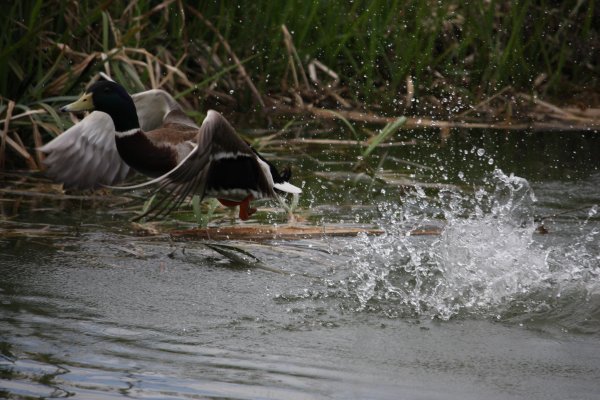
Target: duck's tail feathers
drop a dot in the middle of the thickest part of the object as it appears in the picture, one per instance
(287, 187)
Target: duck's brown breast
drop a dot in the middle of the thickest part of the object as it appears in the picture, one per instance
(145, 155)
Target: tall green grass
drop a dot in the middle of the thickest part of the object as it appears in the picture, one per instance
(455, 52)
(374, 45)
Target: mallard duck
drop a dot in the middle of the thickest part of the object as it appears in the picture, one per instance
(150, 134)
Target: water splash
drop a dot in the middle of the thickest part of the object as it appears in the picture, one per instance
(487, 261)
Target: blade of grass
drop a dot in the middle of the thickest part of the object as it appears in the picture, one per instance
(213, 78)
(347, 123)
(387, 131)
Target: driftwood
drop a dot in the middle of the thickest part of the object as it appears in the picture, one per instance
(288, 232)
(268, 232)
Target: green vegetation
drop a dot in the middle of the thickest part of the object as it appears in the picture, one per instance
(430, 58)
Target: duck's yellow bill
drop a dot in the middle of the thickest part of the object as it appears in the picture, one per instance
(85, 103)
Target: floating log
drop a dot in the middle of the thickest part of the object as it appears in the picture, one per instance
(269, 232)
(287, 232)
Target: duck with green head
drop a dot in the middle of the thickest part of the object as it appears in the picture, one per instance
(184, 158)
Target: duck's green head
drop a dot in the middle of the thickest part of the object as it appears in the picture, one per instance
(111, 98)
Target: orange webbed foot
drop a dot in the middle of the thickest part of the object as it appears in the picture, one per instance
(245, 210)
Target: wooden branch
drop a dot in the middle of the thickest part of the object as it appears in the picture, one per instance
(291, 232)
(268, 232)
(416, 122)
(336, 142)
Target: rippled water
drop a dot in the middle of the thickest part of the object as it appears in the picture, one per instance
(494, 306)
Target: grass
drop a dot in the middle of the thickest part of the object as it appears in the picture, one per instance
(429, 58)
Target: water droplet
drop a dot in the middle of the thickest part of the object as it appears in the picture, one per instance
(480, 152)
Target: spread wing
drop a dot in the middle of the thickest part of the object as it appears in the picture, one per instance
(216, 141)
(178, 118)
(189, 176)
(85, 156)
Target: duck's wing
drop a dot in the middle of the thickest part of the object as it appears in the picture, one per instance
(221, 161)
(220, 164)
(189, 176)
(155, 107)
(179, 119)
(85, 156)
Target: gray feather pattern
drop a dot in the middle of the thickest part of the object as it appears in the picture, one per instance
(85, 156)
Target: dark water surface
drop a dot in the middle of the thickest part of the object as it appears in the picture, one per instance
(490, 308)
